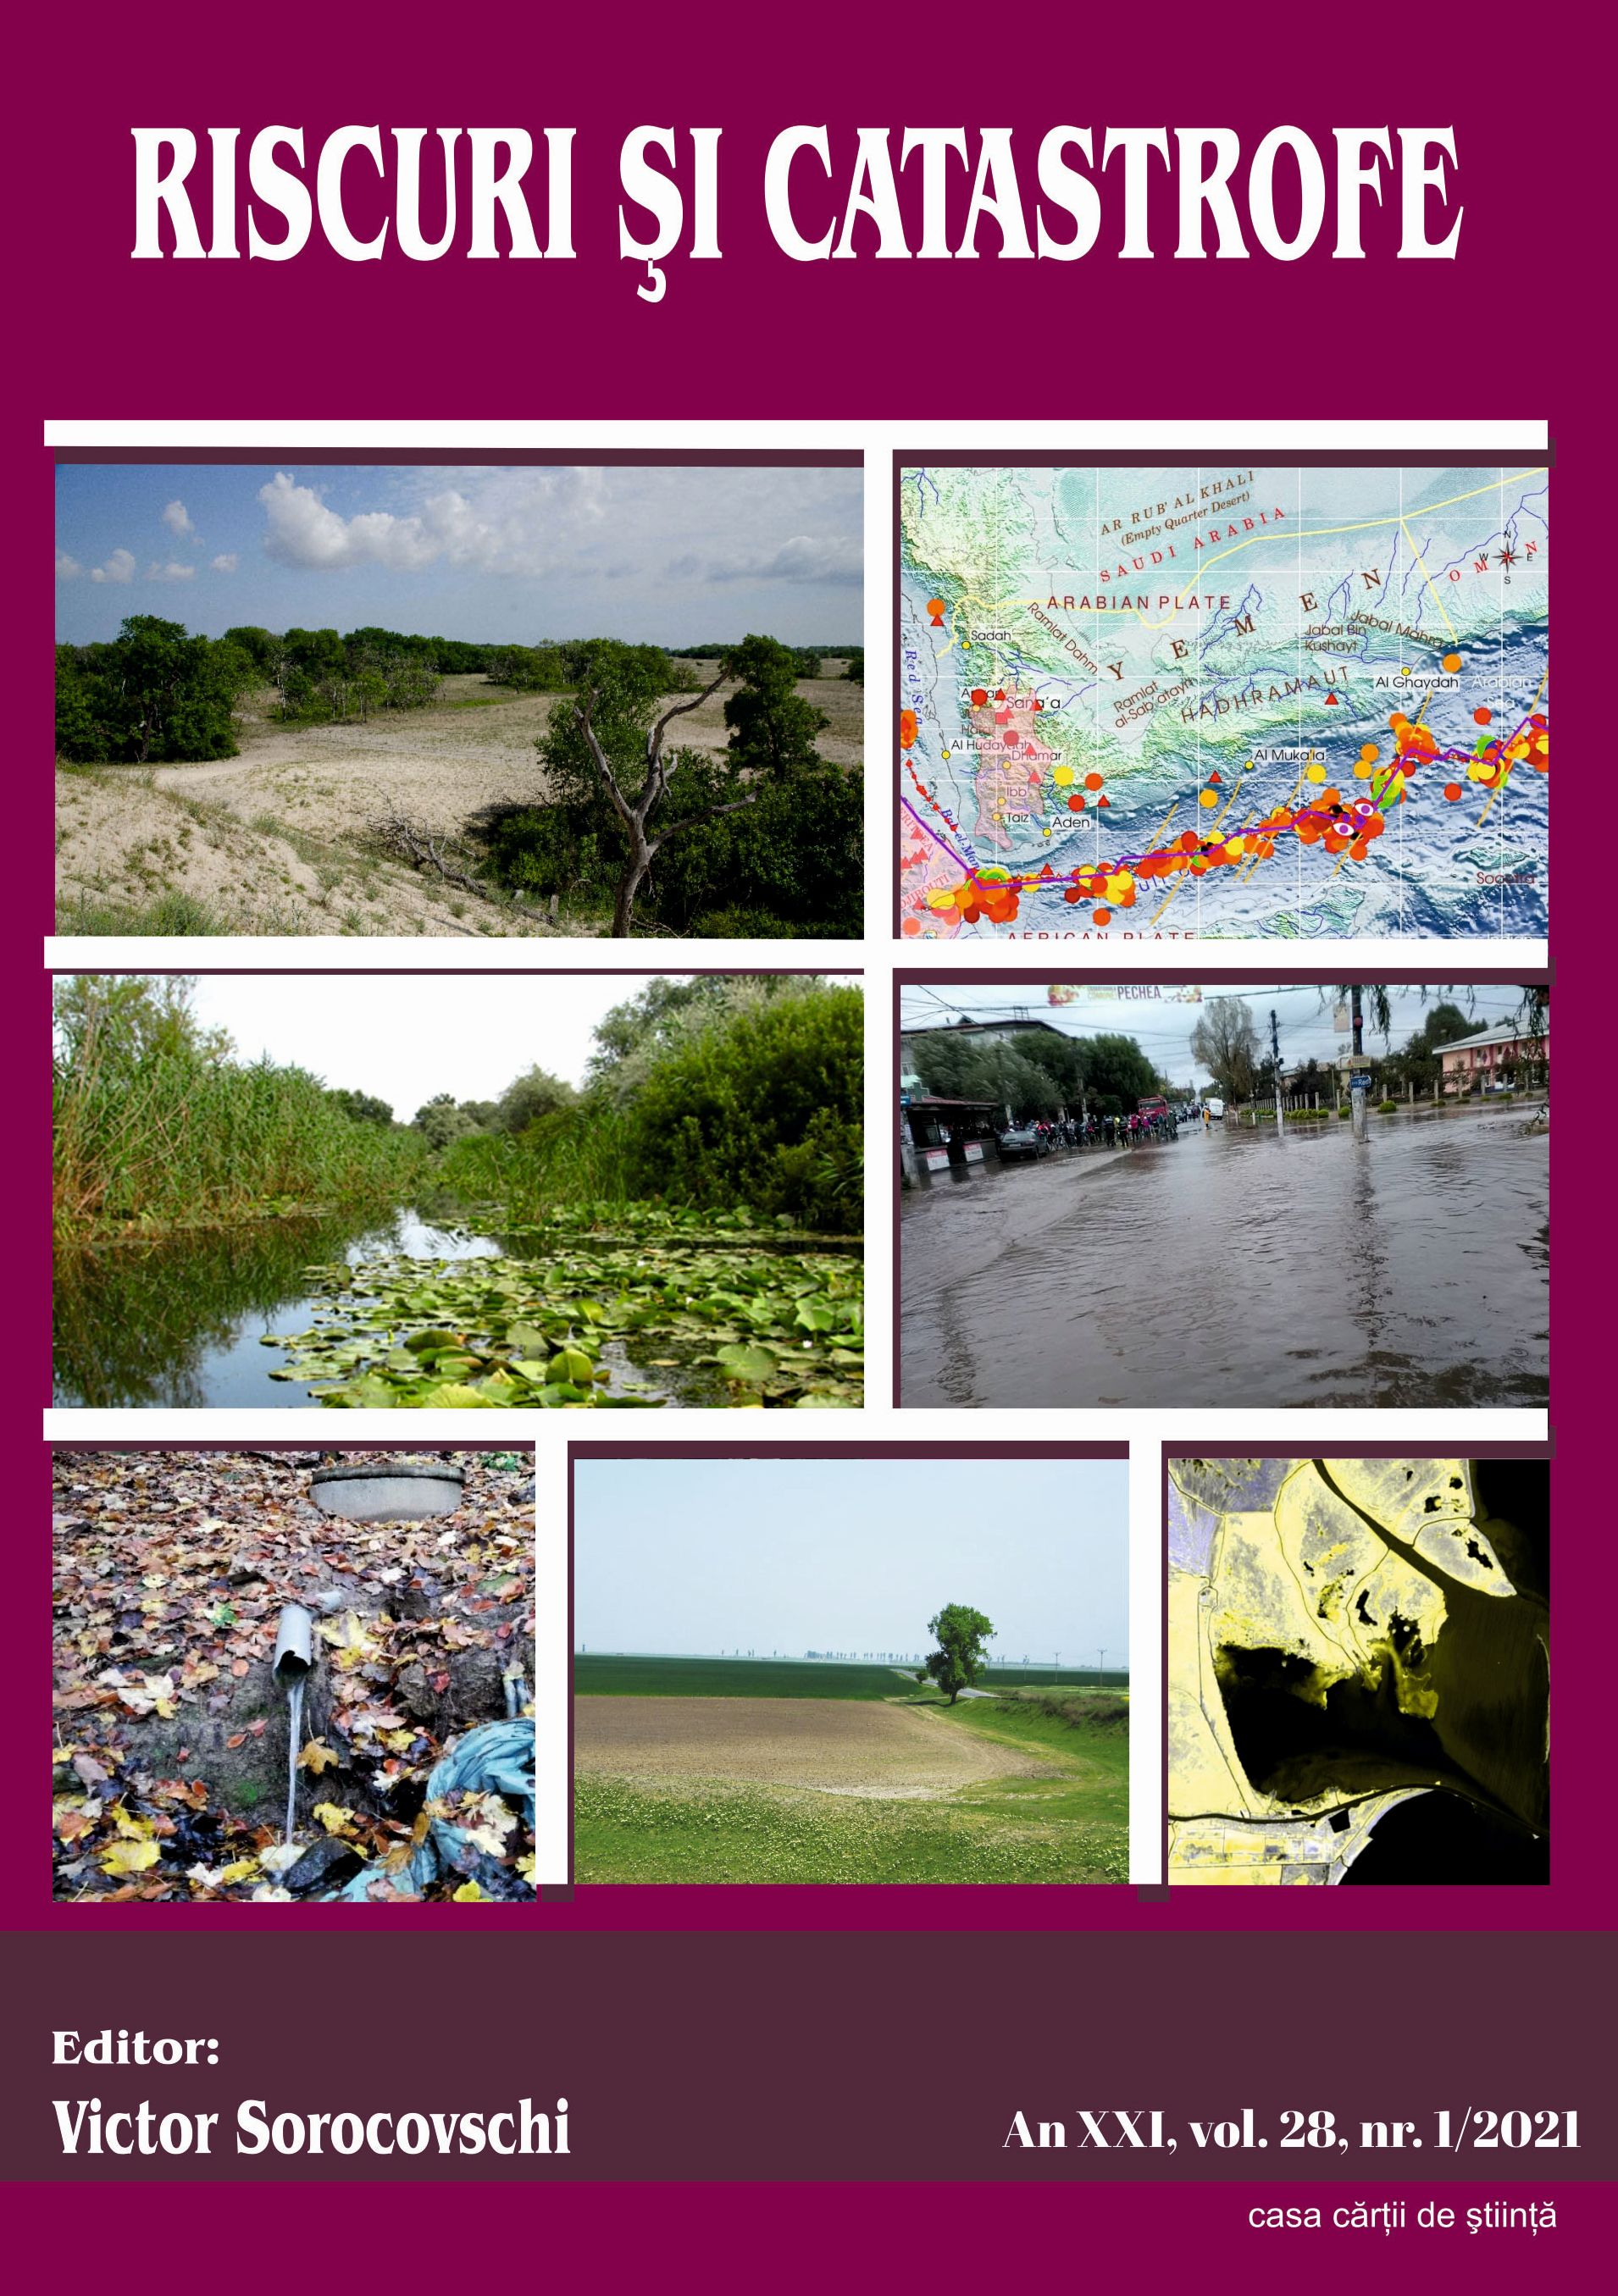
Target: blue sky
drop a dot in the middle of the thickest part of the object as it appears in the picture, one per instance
(675, 556)
(700, 1556)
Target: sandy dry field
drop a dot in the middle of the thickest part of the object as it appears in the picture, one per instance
(280, 830)
(840, 1745)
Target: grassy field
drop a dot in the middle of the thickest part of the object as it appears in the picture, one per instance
(1058, 1811)
(610, 1674)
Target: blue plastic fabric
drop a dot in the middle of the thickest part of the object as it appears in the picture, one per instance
(498, 1758)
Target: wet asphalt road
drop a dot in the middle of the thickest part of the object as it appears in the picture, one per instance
(1233, 1270)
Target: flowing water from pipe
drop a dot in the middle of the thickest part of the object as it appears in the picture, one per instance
(294, 1732)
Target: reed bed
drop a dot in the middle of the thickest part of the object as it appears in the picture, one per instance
(177, 1139)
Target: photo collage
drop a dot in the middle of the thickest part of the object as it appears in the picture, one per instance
(1038, 947)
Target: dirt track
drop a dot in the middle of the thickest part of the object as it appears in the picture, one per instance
(840, 1745)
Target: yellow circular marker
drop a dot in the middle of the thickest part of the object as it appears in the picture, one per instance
(1061, 776)
(1209, 798)
(936, 900)
(1451, 661)
(1315, 774)
(1118, 884)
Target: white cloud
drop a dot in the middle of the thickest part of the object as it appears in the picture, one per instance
(524, 523)
(68, 570)
(176, 518)
(801, 558)
(646, 528)
(226, 562)
(119, 567)
(170, 572)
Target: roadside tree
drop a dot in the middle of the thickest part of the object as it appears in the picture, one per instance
(961, 1634)
(1226, 1044)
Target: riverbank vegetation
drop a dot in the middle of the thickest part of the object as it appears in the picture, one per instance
(158, 1128)
(692, 1209)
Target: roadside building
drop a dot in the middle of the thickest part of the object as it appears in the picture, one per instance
(940, 1132)
(1496, 1059)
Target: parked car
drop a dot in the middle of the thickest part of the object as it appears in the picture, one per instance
(1026, 1140)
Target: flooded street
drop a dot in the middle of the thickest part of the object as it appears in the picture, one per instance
(1236, 1270)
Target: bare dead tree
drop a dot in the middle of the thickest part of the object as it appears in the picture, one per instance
(409, 842)
(636, 812)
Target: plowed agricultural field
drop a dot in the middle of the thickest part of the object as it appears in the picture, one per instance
(850, 1789)
(840, 1745)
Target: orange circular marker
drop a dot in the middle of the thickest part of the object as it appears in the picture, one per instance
(1482, 717)
(1093, 780)
(1102, 916)
(1452, 789)
(935, 607)
(1369, 753)
(911, 925)
(1451, 661)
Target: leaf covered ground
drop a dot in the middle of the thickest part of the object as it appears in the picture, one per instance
(171, 1735)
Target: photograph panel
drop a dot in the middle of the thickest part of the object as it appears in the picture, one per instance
(422, 1192)
(286, 1676)
(851, 1669)
(1249, 698)
(460, 699)
(1171, 1194)
(1359, 1670)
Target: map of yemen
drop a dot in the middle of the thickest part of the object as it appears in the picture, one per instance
(1226, 701)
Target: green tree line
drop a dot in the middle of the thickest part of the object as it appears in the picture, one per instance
(718, 1093)
(1036, 1075)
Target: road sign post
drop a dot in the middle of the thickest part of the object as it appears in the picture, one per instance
(1359, 1102)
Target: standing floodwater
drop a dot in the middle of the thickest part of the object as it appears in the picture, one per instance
(1236, 1270)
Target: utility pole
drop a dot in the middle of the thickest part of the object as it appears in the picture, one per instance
(1358, 1091)
(1058, 1668)
(1275, 1062)
(1101, 1669)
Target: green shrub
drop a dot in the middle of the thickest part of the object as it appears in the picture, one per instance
(763, 1107)
(152, 694)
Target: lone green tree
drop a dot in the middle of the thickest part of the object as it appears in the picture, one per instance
(961, 1633)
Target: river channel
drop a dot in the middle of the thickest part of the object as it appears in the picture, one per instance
(180, 1324)
(1230, 1268)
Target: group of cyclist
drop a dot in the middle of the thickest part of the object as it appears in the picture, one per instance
(1140, 1129)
